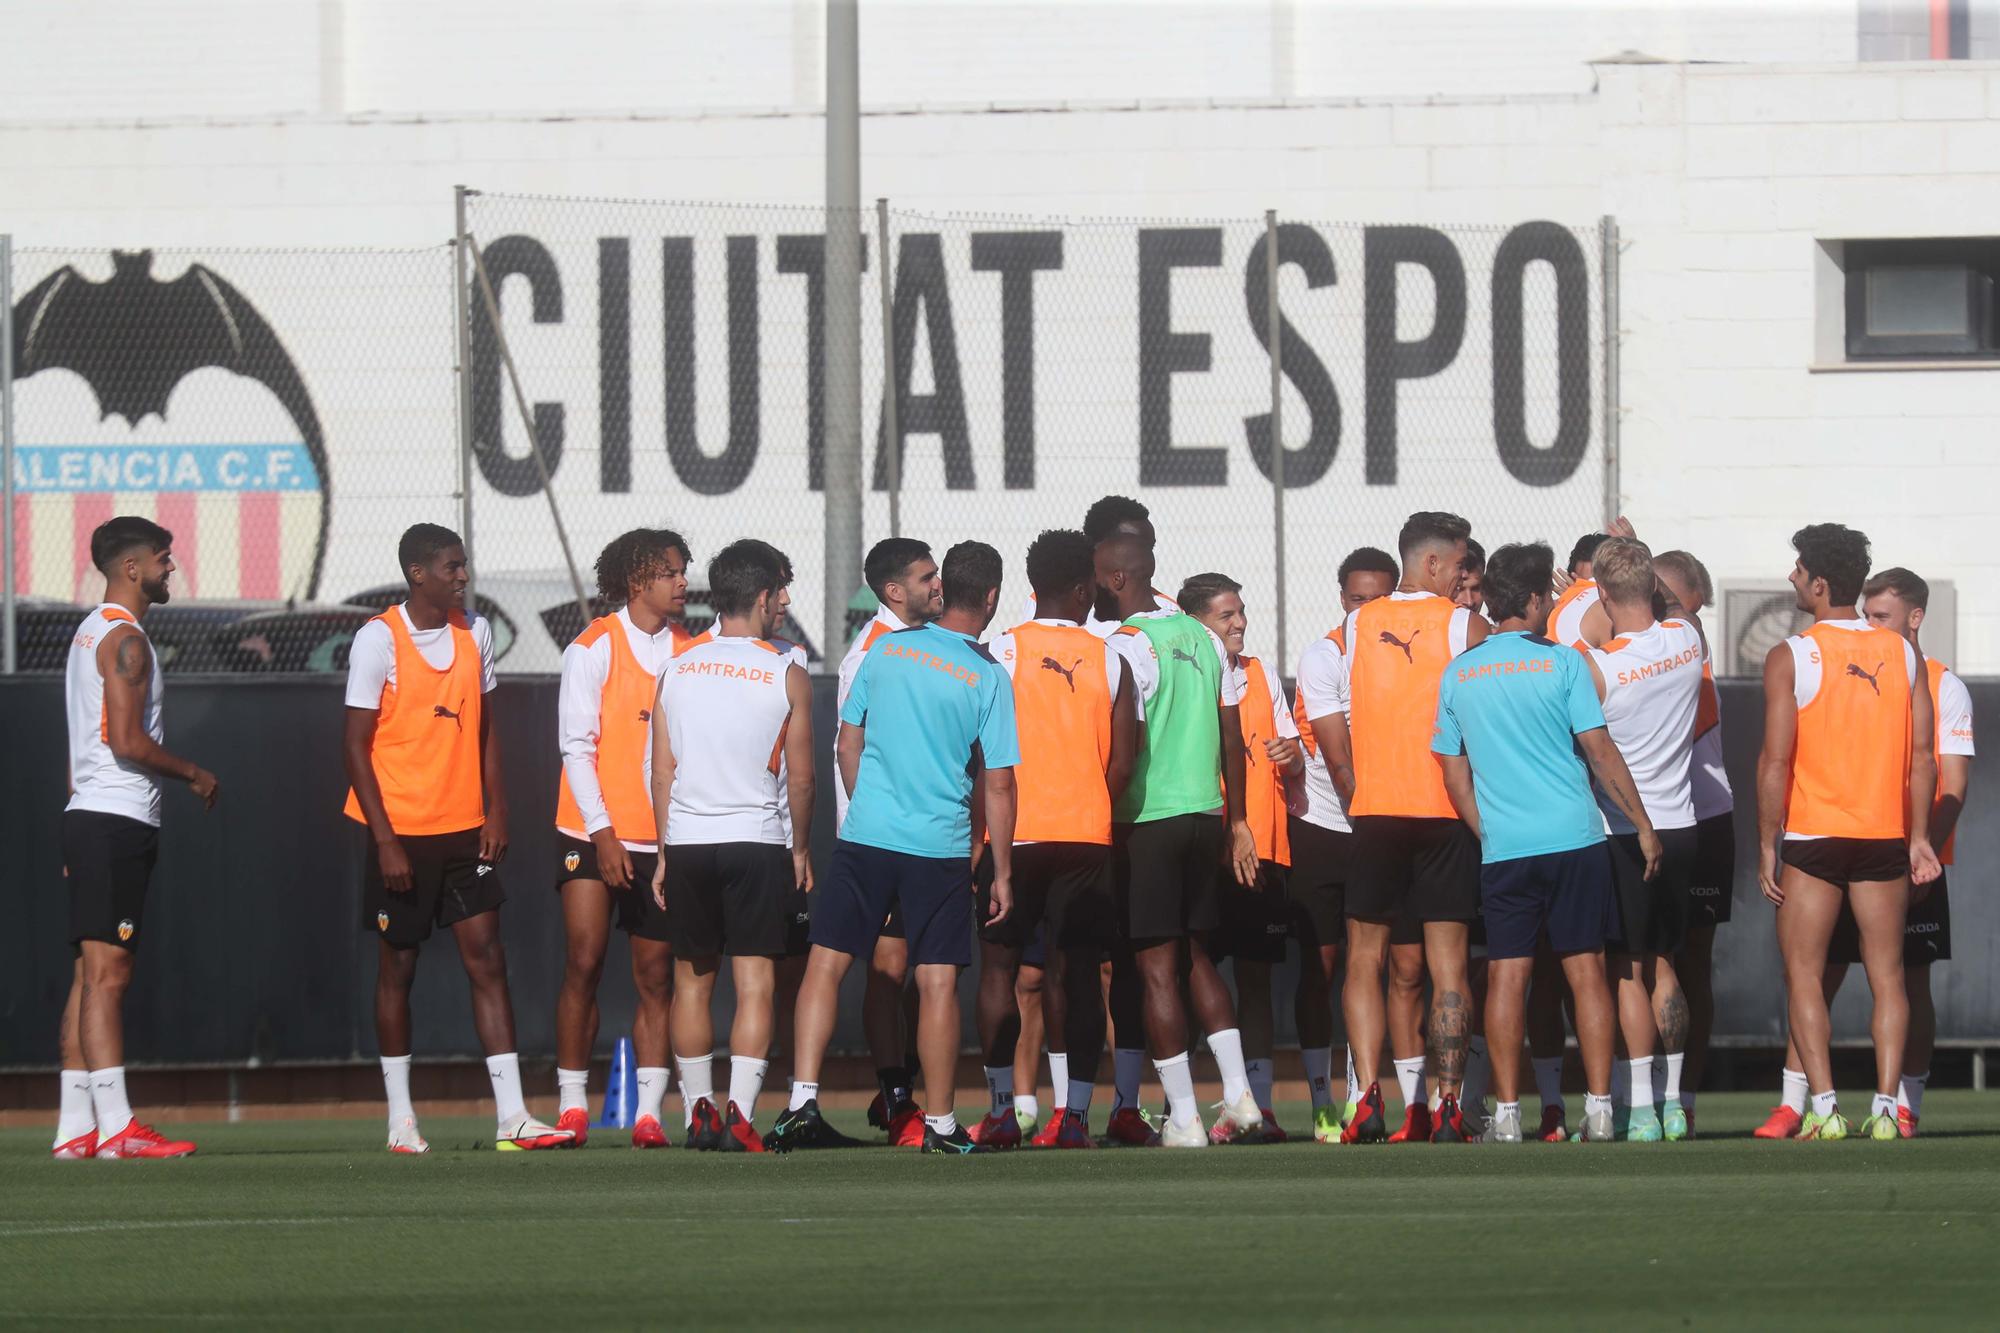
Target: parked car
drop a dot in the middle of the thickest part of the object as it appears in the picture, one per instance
(535, 616)
(215, 636)
(43, 629)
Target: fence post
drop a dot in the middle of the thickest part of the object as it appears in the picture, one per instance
(1608, 275)
(462, 339)
(1274, 337)
(892, 436)
(9, 645)
(842, 313)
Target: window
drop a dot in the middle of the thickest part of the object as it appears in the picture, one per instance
(1921, 300)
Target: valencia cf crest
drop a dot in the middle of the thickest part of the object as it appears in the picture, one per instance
(571, 862)
(382, 921)
(125, 930)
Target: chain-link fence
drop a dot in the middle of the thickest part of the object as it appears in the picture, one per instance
(287, 414)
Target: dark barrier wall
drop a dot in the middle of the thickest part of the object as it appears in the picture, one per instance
(253, 947)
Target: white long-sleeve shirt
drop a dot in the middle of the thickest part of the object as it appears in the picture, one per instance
(585, 668)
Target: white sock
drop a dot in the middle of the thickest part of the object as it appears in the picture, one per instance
(1884, 1104)
(1026, 1108)
(572, 1089)
(1670, 1082)
(1824, 1102)
(1909, 1096)
(1319, 1074)
(1127, 1068)
(1353, 1092)
(1078, 1097)
(78, 1117)
(1794, 1094)
(396, 1082)
(1227, 1048)
(697, 1082)
(1477, 1067)
(1410, 1078)
(1592, 1103)
(510, 1107)
(1000, 1087)
(1639, 1082)
(1501, 1109)
(107, 1097)
(1058, 1077)
(802, 1093)
(653, 1080)
(1177, 1077)
(1261, 1075)
(946, 1124)
(1549, 1081)
(746, 1080)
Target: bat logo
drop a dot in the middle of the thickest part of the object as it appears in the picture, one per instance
(133, 338)
(439, 710)
(571, 861)
(1389, 638)
(1068, 673)
(1180, 656)
(1854, 669)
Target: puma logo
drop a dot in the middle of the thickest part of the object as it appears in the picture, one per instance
(1068, 673)
(1854, 669)
(1180, 656)
(439, 710)
(645, 715)
(1387, 637)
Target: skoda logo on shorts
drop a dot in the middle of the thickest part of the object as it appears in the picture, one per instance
(572, 861)
(382, 921)
(125, 929)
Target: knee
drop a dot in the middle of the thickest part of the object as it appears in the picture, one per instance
(583, 966)
(937, 983)
(1028, 988)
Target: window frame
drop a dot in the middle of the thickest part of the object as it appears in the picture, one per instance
(1978, 255)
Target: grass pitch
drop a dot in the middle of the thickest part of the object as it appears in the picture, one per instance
(311, 1224)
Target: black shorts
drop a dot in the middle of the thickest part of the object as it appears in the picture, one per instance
(1317, 885)
(1652, 914)
(1428, 868)
(1256, 922)
(107, 863)
(1167, 873)
(798, 923)
(637, 913)
(1926, 931)
(1843, 861)
(1566, 897)
(448, 884)
(729, 898)
(1062, 896)
(862, 882)
(1712, 886)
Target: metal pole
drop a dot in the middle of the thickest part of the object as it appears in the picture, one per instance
(9, 647)
(891, 435)
(492, 305)
(462, 320)
(1274, 325)
(842, 332)
(1608, 275)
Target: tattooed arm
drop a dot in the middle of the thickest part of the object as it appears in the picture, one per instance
(125, 660)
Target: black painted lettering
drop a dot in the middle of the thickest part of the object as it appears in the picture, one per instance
(707, 474)
(1164, 353)
(614, 363)
(1017, 256)
(1301, 245)
(806, 256)
(921, 288)
(1388, 359)
(1556, 246)
(526, 258)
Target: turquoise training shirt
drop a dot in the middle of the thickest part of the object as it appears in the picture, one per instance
(1514, 705)
(925, 697)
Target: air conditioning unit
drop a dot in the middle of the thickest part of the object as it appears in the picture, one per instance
(1757, 616)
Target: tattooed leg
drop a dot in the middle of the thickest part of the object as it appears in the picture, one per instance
(1451, 1026)
(1670, 1007)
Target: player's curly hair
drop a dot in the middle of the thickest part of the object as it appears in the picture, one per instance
(633, 559)
(1836, 553)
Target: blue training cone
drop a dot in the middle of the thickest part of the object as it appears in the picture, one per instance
(621, 1094)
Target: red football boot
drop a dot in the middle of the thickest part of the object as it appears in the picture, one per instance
(1552, 1130)
(647, 1132)
(1128, 1129)
(1447, 1125)
(1074, 1131)
(704, 1127)
(1050, 1131)
(81, 1147)
(906, 1126)
(998, 1132)
(137, 1140)
(1906, 1124)
(738, 1134)
(1368, 1124)
(1416, 1126)
(1783, 1123)
(577, 1121)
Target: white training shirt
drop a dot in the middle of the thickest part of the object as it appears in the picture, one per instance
(1652, 687)
(371, 663)
(1322, 692)
(1003, 649)
(1144, 664)
(585, 668)
(1954, 715)
(850, 667)
(1708, 776)
(797, 657)
(727, 710)
(1096, 624)
(98, 779)
(1806, 677)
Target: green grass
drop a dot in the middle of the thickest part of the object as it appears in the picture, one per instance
(311, 1224)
